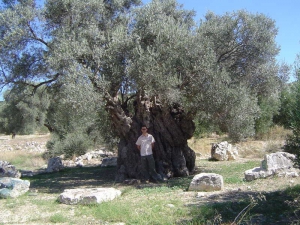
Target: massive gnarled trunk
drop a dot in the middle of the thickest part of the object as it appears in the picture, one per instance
(171, 128)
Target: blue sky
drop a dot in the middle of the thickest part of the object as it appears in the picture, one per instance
(285, 13)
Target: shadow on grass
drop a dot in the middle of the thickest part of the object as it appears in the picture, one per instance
(247, 207)
(84, 177)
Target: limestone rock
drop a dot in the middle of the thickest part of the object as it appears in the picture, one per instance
(279, 163)
(207, 182)
(13, 187)
(223, 151)
(8, 170)
(88, 196)
(54, 165)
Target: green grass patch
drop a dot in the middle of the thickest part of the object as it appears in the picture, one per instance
(232, 171)
(156, 205)
(58, 218)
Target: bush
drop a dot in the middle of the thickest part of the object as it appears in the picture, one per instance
(293, 146)
(74, 144)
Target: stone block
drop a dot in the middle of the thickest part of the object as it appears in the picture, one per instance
(207, 182)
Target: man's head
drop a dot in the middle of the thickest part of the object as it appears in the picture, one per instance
(144, 129)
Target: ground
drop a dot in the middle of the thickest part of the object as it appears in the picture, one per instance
(45, 188)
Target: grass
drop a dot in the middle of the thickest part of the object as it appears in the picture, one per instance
(58, 218)
(232, 171)
(158, 205)
(169, 203)
(267, 208)
(24, 160)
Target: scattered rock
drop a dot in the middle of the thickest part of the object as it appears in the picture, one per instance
(13, 187)
(92, 158)
(88, 196)
(279, 163)
(223, 151)
(8, 170)
(207, 182)
(54, 165)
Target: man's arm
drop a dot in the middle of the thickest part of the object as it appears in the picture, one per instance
(138, 147)
(152, 142)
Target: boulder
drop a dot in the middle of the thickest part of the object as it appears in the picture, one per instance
(207, 182)
(8, 170)
(109, 161)
(88, 196)
(54, 165)
(279, 163)
(223, 151)
(13, 187)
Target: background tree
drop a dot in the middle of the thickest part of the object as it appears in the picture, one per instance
(293, 141)
(145, 65)
(246, 85)
(24, 112)
(74, 117)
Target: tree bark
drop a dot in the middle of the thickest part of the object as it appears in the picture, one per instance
(171, 128)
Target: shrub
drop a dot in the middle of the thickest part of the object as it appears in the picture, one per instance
(73, 144)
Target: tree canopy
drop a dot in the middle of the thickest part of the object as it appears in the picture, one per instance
(150, 64)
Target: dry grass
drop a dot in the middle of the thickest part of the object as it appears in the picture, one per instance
(24, 151)
(202, 146)
(24, 160)
(271, 142)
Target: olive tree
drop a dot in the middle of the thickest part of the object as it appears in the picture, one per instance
(149, 65)
(293, 114)
(23, 112)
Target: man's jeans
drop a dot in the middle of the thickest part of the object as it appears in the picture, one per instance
(148, 168)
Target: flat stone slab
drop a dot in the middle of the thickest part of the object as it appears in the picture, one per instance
(279, 163)
(88, 196)
(259, 173)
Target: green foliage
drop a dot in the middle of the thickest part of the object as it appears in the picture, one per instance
(23, 112)
(231, 88)
(293, 141)
(269, 107)
(104, 127)
(287, 100)
(78, 120)
(205, 125)
(84, 51)
(73, 144)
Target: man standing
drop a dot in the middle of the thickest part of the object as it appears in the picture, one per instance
(145, 144)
